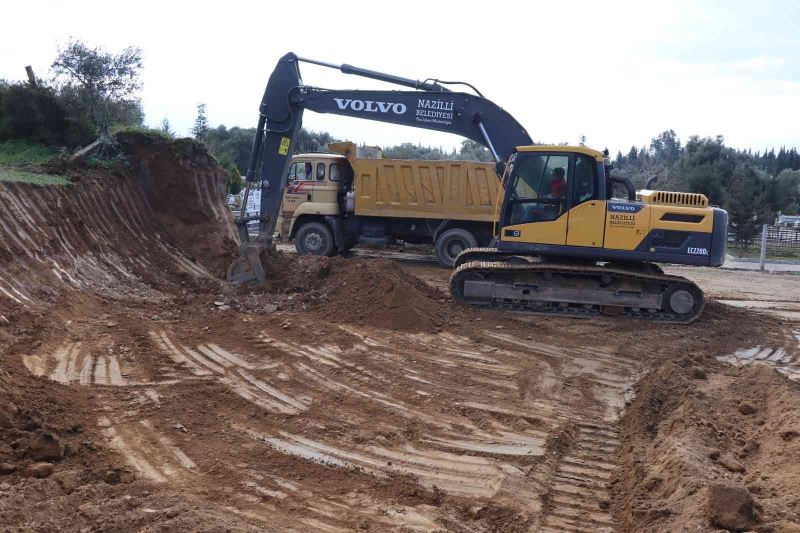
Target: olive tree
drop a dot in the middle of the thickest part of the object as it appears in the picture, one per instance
(105, 82)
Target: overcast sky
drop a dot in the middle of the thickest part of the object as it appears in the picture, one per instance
(616, 72)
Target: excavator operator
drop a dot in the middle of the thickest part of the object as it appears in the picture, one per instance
(558, 185)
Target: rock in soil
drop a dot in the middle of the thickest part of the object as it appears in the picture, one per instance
(46, 447)
(119, 476)
(39, 470)
(746, 408)
(731, 463)
(68, 480)
(730, 507)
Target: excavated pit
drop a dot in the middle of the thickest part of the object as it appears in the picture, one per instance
(139, 391)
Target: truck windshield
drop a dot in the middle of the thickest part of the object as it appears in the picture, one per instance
(300, 171)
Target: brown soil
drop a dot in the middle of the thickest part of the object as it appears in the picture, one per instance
(697, 423)
(140, 392)
(378, 293)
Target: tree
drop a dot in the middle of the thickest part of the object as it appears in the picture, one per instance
(200, 128)
(666, 147)
(473, 151)
(582, 140)
(235, 182)
(707, 167)
(165, 127)
(785, 192)
(312, 141)
(633, 156)
(748, 207)
(100, 79)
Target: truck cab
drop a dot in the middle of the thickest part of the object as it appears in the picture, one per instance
(313, 189)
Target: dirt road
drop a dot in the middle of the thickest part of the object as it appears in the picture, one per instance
(351, 394)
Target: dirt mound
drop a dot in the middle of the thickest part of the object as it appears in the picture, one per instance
(381, 294)
(186, 188)
(707, 447)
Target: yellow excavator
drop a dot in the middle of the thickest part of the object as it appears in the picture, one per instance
(564, 244)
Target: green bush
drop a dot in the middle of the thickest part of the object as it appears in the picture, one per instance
(38, 114)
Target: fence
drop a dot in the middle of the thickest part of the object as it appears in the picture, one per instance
(774, 242)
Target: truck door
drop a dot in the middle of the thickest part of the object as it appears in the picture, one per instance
(293, 196)
(536, 210)
(326, 186)
(299, 184)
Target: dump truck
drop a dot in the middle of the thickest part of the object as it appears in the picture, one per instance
(353, 196)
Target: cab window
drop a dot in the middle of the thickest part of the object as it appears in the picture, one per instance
(539, 188)
(333, 172)
(295, 169)
(583, 182)
(300, 171)
(320, 171)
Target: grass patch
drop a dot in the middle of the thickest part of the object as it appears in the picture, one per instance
(22, 152)
(23, 176)
(153, 132)
(774, 251)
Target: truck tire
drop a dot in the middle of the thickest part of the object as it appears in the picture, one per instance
(451, 243)
(314, 238)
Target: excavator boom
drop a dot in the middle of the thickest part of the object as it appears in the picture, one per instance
(430, 105)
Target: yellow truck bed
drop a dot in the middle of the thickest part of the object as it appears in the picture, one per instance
(462, 190)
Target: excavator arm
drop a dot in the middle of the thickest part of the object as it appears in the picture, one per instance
(430, 105)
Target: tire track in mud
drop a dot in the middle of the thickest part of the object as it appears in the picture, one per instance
(234, 371)
(483, 463)
(69, 364)
(147, 450)
(783, 354)
(577, 496)
(484, 431)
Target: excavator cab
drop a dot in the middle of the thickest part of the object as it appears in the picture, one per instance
(554, 197)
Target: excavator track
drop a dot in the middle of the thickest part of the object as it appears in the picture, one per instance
(574, 290)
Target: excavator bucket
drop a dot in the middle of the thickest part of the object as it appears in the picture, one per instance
(247, 267)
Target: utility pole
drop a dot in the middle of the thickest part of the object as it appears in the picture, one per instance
(31, 75)
(763, 246)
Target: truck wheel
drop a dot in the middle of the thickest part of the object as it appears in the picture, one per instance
(314, 238)
(451, 243)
